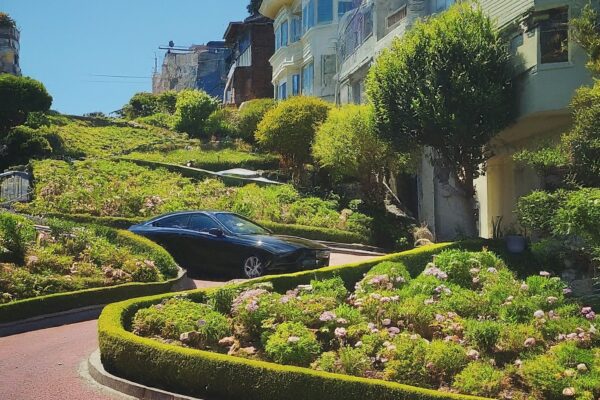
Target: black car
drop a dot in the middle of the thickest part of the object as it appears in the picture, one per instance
(227, 243)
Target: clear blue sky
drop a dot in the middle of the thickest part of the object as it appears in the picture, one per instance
(65, 42)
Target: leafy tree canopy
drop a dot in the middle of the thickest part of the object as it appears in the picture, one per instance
(253, 6)
(192, 109)
(289, 128)
(20, 96)
(446, 84)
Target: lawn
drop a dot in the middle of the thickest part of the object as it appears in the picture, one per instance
(88, 137)
(212, 160)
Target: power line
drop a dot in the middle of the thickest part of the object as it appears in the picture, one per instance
(122, 76)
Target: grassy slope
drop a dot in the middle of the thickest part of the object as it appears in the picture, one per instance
(89, 137)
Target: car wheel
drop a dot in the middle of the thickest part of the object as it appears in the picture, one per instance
(253, 267)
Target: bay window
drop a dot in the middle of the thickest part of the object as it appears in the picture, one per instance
(308, 76)
(554, 35)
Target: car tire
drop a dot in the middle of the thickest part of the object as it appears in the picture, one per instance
(253, 267)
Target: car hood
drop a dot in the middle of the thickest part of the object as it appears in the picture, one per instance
(282, 243)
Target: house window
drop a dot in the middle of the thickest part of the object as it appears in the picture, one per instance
(344, 6)
(308, 76)
(296, 29)
(308, 14)
(281, 35)
(324, 11)
(328, 68)
(295, 85)
(396, 16)
(245, 59)
(282, 91)
(441, 5)
(357, 93)
(554, 35)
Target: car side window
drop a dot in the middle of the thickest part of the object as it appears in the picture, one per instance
(202, 223)
(176, 221)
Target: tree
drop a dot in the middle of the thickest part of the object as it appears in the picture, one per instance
(20, 96)
(141, 104)
(253, 6)
(348, 146)
(289, 129)
(23, 144)
(223, 122)
(192, 110)
(446, 84)
(250, 115)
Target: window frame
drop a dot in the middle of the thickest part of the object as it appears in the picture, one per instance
(540, 32)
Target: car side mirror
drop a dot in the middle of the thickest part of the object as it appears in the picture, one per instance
(216, 232)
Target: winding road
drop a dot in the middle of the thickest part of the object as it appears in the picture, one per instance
(47, 363)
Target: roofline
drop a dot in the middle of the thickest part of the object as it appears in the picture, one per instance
(270, 8)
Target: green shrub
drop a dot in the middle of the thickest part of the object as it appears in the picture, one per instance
(192, 110)
(353, 361)
(407, 362)
(19, 96)
(384, 276)
(535, 211)
(221, 299)
(223, 123)
(348, 146)
(458, 265)
(292, 343)
(160, 120)
(446, 359)
(333, 287)
(16, 234)
(479, 379)
(483, 334)
(176, 316)
(289, 128)
(250, 114)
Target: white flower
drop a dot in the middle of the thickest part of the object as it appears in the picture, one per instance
(340, 332)
(545, 274)
(568, 392)
(293, 339)
(539, 314)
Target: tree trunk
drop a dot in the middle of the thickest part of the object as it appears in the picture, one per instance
(468, 199)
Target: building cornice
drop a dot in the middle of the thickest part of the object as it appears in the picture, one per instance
(270, 8)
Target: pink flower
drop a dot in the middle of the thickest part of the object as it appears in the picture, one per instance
(327, 316)
(529, 342)
(539, 314)
(386, 322)
(524, 286)
(567, 291)
(473, 354)
(340, 332)
(551, 299)
(545, 274)
(393, 330)
(591, 315)
(586, 310)
(492, 270)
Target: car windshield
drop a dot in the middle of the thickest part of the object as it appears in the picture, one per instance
(239, 225)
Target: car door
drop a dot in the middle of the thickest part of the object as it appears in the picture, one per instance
(169, 233)
(205, 250)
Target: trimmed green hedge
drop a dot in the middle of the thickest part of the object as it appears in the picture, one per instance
(58, 302)
(200, 373)
(308, 232)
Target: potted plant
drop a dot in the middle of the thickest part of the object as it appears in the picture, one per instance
(515, 240)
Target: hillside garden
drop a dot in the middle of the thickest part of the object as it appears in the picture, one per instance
(67, 257)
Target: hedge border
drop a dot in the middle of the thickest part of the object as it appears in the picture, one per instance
(58, 302)
(201, 373)
(308, 232)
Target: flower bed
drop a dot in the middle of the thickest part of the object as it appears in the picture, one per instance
(123, 189)
(71, 258)
(434, 336)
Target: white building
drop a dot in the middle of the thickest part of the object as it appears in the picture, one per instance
(306, 41)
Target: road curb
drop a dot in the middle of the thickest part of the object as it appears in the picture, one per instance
(103, 378)
(51, 320)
